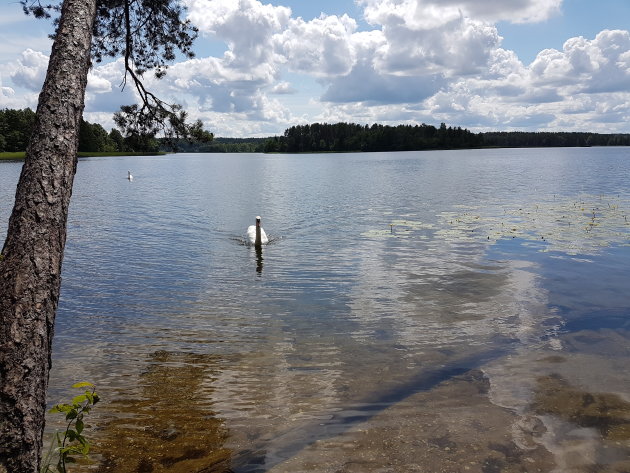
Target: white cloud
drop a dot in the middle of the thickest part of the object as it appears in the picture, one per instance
(428, 14)
(247, 26)
(583, 87)
(29, 71)
(598, 65)
(460, 46)
(7, 95)
(104, 92)
(97, 84)
(283, 88)
(424, 60)
(321, 47)
(419, 61)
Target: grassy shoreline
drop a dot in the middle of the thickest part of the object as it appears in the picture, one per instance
(19, 155)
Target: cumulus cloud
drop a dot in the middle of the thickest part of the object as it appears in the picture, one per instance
(593, 66)
(283, 88)
(582, 87)
(7, 94)
(247, 27)
(321, 47)
(428, 14)
(410, 61)
(460, 46)
(421, 60)
(104, 92)
(29, 71)
(97, 84)
(367, 86)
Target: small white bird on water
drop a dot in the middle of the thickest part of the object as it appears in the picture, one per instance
(256, 235)
(129, 176)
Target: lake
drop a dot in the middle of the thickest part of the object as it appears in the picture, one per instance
(416, 311)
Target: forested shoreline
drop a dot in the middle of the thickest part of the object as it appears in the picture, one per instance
(349, 137)
(16, 126)
(352, 137)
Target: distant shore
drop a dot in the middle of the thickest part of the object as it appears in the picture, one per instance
(19, 155)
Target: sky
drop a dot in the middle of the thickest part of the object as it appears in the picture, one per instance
(485, 65)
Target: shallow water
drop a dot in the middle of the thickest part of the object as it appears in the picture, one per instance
(388, 275)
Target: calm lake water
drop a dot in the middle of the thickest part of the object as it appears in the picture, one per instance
(417, 311)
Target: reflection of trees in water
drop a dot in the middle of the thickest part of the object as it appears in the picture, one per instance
(169, 426)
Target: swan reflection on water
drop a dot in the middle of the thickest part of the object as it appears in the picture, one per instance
(259, 259)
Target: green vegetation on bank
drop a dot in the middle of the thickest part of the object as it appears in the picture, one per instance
(349, 137)
(16, 127)
(94, 140)
(545, 139)
(12, 156)
(223, 145)
(345, 137)
(84, 154)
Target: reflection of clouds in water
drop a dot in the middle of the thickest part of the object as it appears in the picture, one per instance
(434, 295)
(441, 302)
(271, 390)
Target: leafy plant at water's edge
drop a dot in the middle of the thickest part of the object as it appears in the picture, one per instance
(65, 446)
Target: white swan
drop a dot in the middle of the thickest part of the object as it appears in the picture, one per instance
(256, 235)
(129, 176)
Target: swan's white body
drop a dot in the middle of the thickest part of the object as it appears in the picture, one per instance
(256, 235)
(129, 176)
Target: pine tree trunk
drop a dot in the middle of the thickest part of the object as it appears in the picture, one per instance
(30, 268)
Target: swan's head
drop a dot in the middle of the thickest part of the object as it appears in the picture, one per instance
(258, 220)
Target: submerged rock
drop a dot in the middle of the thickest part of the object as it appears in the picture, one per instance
(608, 413)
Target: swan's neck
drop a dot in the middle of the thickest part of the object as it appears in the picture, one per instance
(258, 241)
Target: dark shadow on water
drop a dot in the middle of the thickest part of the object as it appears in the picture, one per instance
(268, 453)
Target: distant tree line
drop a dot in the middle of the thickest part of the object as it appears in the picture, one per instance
(543, 139)
(16, 127)
(222, 145)
(338, 137)
(353, 137)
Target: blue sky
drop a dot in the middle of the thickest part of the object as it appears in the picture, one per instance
(261, 67)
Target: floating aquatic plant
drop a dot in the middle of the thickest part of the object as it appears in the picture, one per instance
(583, 225)
(399, 228)
(580, 226)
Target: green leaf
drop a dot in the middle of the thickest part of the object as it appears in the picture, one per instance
(83, 384)
(79, 426)
(77, 400)
(63, 408)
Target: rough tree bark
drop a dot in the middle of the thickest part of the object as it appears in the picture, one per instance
(30, 265)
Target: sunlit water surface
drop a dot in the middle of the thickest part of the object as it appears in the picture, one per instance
(386, 274)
